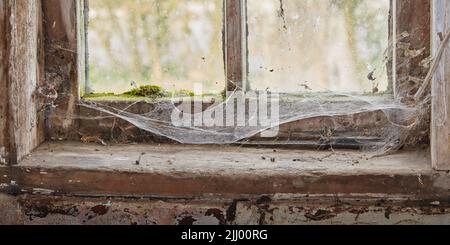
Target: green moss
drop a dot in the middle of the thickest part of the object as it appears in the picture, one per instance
(183, 93)
(224, 94)
(97, 95)
(111, 97)
(151, 92)
(148, 91)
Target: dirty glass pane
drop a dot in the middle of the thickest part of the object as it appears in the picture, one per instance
(169, 43)
(318, 45)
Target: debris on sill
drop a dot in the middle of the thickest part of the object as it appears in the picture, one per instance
(436, 203)
(12, 188)
(138, 162)
(93, 139)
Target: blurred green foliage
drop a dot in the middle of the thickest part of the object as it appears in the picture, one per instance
(155, 42)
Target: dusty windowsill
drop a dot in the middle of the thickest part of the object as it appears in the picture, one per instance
(72, 168)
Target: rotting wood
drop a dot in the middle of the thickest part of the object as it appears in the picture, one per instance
(434, 66)
(113, 171)
(268, 210)
(440, 125)
(41, 76)
(84, 182)
(413, 18)
(61, 66)
(23, 78)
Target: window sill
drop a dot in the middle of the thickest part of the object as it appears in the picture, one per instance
(70, 168)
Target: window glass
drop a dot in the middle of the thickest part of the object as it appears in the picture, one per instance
(318, 45)
(169, 43)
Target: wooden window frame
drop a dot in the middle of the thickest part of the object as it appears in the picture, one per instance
(440, 88)
(60, 40)
(63, 59)
(235, 45)
(235, 34)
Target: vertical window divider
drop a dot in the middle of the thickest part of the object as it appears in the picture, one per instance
(235, 32)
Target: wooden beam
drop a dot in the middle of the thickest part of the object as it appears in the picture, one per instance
(112, 171)
(85, 85)
(23, 78)
(440, 125)
(235, 44)
(4, 131)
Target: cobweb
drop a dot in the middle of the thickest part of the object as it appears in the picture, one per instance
(405, 122)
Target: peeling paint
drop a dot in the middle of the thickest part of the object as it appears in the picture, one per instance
(64, 210)
(218, 214)
(98, 210)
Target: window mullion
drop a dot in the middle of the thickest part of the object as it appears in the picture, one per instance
(235, 44)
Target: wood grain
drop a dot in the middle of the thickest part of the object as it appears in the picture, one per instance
(440, 125)
(61, 66)
(23, 78)
(4, 132)
(413, 17)
(223, 170)
(235, 47)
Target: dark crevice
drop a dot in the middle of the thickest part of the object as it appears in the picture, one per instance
(282, 14)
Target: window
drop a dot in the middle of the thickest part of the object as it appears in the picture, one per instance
(298, 46)
(333, 64)
(291, 46)
(169, 43)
